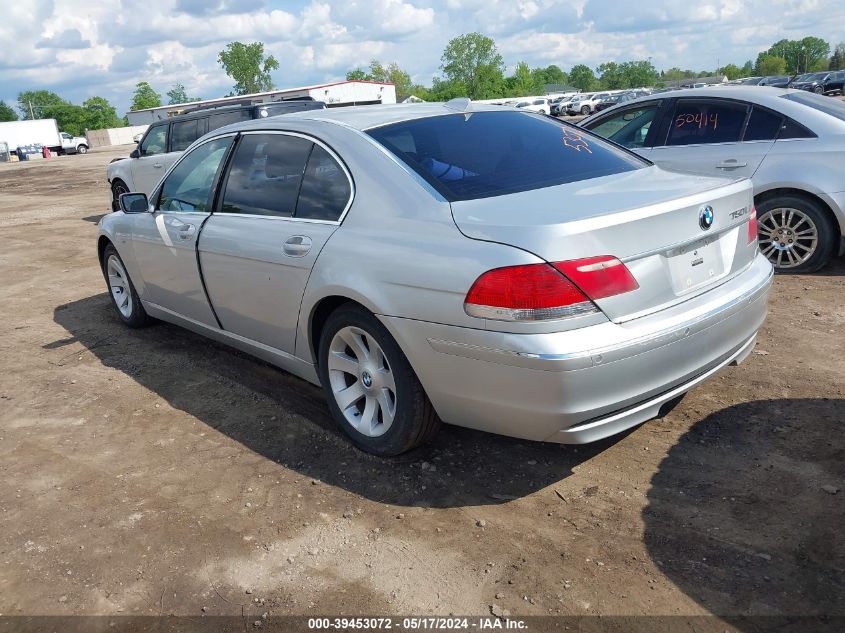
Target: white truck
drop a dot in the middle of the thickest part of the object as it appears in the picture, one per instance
(41, 132)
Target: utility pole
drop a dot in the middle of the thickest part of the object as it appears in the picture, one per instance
(31, 115)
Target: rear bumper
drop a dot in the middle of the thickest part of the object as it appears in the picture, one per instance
(583, 385)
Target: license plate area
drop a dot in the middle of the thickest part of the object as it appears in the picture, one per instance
(695, 264)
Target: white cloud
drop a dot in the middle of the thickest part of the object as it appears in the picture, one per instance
(81, 48)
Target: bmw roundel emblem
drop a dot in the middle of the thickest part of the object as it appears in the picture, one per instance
(706, 217)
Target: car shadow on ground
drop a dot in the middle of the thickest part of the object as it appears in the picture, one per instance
(739, 518)
(268, 411)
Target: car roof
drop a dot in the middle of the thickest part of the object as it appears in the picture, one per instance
(368, 116)
(767, 96)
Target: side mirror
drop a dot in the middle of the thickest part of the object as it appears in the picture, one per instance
(134, 203)
(135, 153)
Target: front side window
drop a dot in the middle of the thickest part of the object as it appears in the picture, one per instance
(265, 175)
(188, 186)
(628, 128)
(155, 142)
(325, 188)
(183, 134)
(483, 154)
(697, 122)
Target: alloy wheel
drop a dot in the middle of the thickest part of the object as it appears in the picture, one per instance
(362, 381)
(788, 236)
(119, 285)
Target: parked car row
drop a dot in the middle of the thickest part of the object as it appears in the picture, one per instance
(790, 143)
(481, 266)
(821, 83)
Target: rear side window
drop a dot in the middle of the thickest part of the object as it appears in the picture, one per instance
(482, 154)
(325, 188)
(762, 125)
(183, 134)
(265, 175)
(697, 122)
(225, 118)
(630, 127)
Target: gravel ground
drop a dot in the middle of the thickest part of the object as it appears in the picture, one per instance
(152, 472)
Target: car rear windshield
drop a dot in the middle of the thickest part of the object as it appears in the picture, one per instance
(482, 154)
(833, 107)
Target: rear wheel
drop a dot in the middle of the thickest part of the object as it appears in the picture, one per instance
(373, 393)
(796, 234)
(122, 291)
(118, 187)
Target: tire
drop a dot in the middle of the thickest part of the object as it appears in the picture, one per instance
(383, 379)
(773, 215)
(116, 277)
(117, 187)
(81, 149)
(585, 109)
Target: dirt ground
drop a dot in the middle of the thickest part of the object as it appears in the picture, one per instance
(153, 472)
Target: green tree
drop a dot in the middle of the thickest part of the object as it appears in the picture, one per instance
(177, 94)
(473, 61)
(356, 75)
(610, 75)
(800, 56)
(391, 73)
(100, 114)
(521, 83)
(731, 71)
(551, 74)
(637, 74)
(7, 113)
(247, 65)
(144, 97)
(747, 69)
(770, 65)
(837, 60)
(31, 103)
(582, 77)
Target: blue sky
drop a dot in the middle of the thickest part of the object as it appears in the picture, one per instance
(81, 48)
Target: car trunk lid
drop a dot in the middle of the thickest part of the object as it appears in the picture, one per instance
(651, 219)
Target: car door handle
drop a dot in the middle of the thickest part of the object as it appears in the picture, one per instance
(731, 163)
(297, 246)
(183, 229)
(157, 165)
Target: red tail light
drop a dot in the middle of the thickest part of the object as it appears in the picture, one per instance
(599, 277)
(752, 225)
(538, 292)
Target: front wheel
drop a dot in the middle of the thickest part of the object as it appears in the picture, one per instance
(585, 110)
(373, 393)
(795, 233)
(124, 298)
(81, 149)
(818, 90)
(118, 187)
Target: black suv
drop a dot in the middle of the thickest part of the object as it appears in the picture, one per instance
(820, 83)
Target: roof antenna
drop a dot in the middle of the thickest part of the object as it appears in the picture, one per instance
(458, 104)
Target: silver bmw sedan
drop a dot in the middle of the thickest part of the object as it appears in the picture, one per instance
(476, 265)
